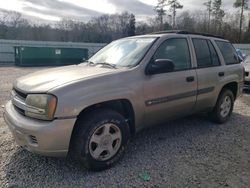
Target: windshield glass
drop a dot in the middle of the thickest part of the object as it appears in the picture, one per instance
(124, 52)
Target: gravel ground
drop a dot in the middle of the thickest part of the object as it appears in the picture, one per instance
(191, 152)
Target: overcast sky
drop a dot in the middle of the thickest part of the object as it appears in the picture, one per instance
(54, 10)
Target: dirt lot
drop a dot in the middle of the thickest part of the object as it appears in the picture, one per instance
(191, 152)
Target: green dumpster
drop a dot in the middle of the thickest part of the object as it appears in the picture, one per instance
(48, 56)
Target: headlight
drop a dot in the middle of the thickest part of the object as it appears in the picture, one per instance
(40, 106)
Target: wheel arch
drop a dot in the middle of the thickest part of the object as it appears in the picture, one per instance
(232, 86)
(122, 106)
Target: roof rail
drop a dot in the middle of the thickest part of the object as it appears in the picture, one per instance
(187, 33)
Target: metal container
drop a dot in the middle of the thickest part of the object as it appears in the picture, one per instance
(48, 56)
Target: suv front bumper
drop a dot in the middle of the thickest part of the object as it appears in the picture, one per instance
(49, 138)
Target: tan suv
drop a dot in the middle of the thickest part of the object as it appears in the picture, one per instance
(91, 110)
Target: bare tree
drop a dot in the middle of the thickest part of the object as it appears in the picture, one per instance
(3, 27)
(3, 16)
(186, 21)
(108, 27)
(13, 19)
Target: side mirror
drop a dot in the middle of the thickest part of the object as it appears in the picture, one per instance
(160, 66)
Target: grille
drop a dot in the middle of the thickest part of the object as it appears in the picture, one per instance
(21, 111)
(20, 94)
(33, 139)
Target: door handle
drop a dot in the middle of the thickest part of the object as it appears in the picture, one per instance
(190, 79)
(221, 74)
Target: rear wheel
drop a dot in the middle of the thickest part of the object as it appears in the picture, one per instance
(224, 106)
(100, 139)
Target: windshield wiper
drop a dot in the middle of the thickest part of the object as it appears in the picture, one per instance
(107, 64)
(89, 62)
(103, 63)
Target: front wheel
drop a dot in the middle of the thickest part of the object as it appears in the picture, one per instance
(100, 139)
(224, 107)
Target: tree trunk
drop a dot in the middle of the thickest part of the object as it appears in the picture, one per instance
(161, 22)
(248, 26)
(241, 19)
(174, 15)
(209, 20)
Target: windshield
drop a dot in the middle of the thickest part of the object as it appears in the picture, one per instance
(124, 52)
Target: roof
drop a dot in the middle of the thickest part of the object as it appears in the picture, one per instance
(185, 33)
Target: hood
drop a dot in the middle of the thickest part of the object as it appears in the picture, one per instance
(45, 80)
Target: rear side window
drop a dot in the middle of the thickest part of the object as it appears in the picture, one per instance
(205, 53)
(176, 50)
(228, 52)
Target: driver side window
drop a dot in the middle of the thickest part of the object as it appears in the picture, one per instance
(177, 51)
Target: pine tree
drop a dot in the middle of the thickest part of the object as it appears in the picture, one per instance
(218, 14)
(159, 9)
(243, 4)
(131, 25)
(208, 4)
(174, 5)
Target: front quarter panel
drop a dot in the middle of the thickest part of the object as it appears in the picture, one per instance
(74, 98)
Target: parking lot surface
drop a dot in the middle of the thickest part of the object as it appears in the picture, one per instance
(190, 152)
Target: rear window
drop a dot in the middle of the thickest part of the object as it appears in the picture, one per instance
(228, 52)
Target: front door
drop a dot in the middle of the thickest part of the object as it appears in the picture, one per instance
(173, 94)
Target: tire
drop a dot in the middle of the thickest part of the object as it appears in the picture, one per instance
(102, 129)
(220, 113)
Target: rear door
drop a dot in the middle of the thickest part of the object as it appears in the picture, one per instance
(209, 73)
(172, 94)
